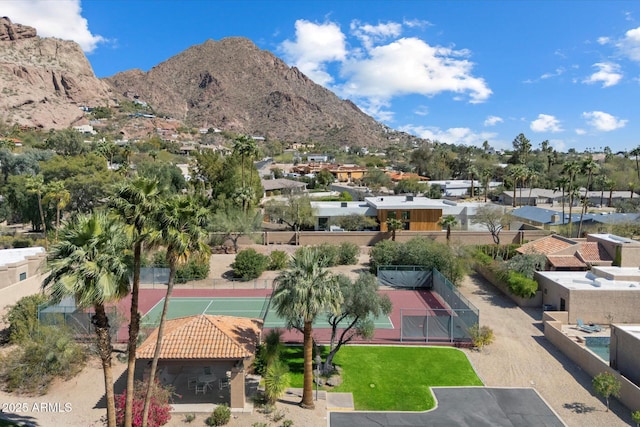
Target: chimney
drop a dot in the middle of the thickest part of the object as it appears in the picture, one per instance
(343, 204)
(555, 218)
(409, 198)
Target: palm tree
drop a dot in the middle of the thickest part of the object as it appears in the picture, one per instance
(135, 202)
(182, 231)
(516, 173)
(303, 291)
(448, 222)
(88, 265)
(636, 152)
(61, 196)
(35, 185)
(571, 168)
(485, 177)
(472, 172)
(532, 176)
(562, 184)
(393, 225)
(588, 166)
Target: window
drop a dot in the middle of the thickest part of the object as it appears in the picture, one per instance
(23, 276)
(406, 215)
(391, 214)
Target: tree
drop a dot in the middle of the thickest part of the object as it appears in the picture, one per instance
(571, 168)
(303, 291)
(411, 186)
(296, 212)
(635, 416)
(636, 153)
(235, 223)
(561, 185)
(606, 385)
(472, 172)
(66, 142)
(393, 225)
(181, 223)
(485, 178)
(521, 148)
(353, 222)
(494, 219)
(58, 194)
(324, 178)
(245, 147)
(361, 304)
(588, 166)
(516, 173)
(375, 179)
(448, 222)
(88, 265)
(136, 203)
(35, 185)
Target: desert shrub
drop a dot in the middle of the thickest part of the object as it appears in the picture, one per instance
(481, 336)
(518, 284)
(23, 317)
(500, 252)
(220, 416)
(329, 254)
(189, 418)
(159, 409)
(348, 253)
(259, 424)
(269, 351)
(195, 269)
(276, 381)
(49, 352)
(19, 242)
(249, 264)
(278, 260)
(383, 253)
(287, 423)
(481, 258)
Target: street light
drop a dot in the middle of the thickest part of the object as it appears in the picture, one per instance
(318, 362)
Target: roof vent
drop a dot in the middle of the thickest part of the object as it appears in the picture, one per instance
(409, 198)
(343, 204)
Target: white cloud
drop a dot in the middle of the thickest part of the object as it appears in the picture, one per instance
(608, 73)
(463, 136)
(417, 23)
(604, 122)
(603, 40)
(556, 73)
(411, 66)
(422, 110)
(314, 45)
(545, 123)
(62, 19)
(629, 45)
(580, 131)
(493, 120)
(370, 34)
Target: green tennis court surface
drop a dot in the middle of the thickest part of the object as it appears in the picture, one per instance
(254, 307)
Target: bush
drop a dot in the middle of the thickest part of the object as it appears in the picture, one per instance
(249, 264)
(481, 336)
(49, 352)
(329, 254)
(159, 409)
(348, 253)
(23, 317)
(482, 258)
(383, 253)
(519, 285)
(276, 381)
(278, 260)
(527, 264)
(195, 269)
(22, 243)
(220, 416)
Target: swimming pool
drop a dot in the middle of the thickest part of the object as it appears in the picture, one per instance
(599, 345)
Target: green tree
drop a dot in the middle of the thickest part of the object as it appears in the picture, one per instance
(393, 225)
(606, 385)
(635, 416)
(324, 178)
(636, 153)
(182, 231)
(87, 264)
(296, 212)
(276, 380)
(376, 178)
(353, 222)
(521, 149)
(588, 167)
(60, 196)
(136, 202)
(304, 291)
(235, 223)
(448, 222)
(361, 305)
(66, 142)
(35, 185)
(571, 169)
(494, 219)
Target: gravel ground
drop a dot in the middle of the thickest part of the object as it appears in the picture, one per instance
(522, 357)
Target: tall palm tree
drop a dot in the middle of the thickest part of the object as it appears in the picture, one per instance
(571, 168)
(516, 173)
(88, 265)
(60, 196)
(135, 202)
(303, 291)
(472, 172)
(636, 152)
(393, 225)
(448, 222)
(182, 231)
(588, 166)
(562, 184)
(485, 177)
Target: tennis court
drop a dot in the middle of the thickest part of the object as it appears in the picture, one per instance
(253, 307)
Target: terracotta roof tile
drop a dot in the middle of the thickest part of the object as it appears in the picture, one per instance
(565, 261)
(594, 252)
(547, 245)
(204, 337)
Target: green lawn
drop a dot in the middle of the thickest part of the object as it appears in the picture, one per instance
(393, 378)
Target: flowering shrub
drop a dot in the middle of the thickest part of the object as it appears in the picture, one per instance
(159, 406)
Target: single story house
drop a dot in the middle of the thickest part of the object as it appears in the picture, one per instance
(462, 187)
(282, 186)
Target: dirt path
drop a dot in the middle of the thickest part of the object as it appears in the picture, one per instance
(522, 357)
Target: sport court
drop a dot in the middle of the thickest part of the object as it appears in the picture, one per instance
(259, 307)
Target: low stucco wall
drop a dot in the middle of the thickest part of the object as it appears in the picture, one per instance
(9, 295)
(585, 359)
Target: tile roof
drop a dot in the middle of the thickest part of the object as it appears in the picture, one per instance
(204, 337)
(593, 252)
(546, 245)
(565, 261)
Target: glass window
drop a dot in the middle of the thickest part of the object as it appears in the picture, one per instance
(23, 276)
(391, 214)
(406, 215)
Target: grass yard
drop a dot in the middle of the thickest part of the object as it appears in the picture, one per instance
(393, 378)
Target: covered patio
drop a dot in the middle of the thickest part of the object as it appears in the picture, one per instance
(206, 359)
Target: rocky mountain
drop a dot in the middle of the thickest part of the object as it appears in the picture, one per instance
(229, 84)
(233, 85)
(44, 81)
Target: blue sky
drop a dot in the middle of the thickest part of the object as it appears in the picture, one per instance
(455, 71)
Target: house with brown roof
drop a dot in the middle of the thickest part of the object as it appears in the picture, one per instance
(206, 358)
(564, 254)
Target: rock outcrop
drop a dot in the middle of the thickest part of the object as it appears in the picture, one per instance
(11, 31)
